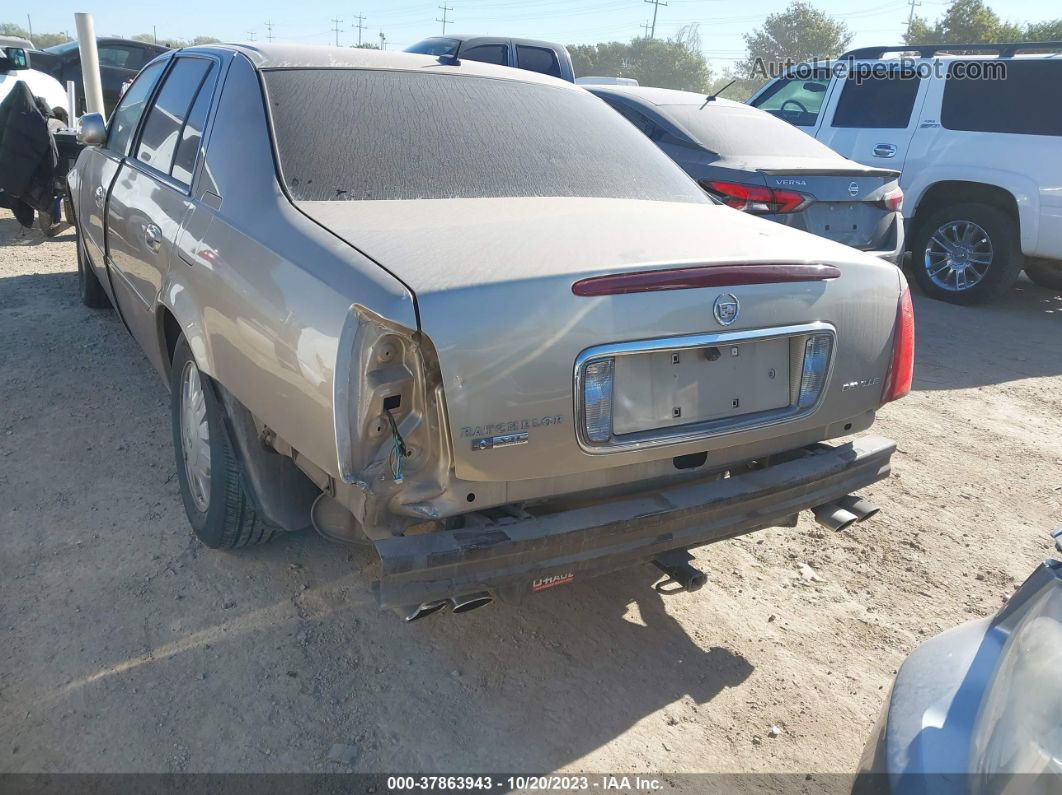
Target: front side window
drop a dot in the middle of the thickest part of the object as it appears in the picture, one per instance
(487, 53)
(797, 101)
(537, 59)
(128, 112)
(416, 135)
(1025, 98)
(877, 101)
(123, 57)
(165, 120)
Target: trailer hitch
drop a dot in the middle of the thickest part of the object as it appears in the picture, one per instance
(676, 565)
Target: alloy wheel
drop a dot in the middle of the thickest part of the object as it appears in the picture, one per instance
(958, 255)
(195, 436)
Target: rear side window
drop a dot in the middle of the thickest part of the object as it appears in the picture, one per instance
(876, 101)
(797, 101)
(127, 114)
(123, 57)
(537, 59)
(165, 120)
(487, 53)
(416, 135)
(192, 134)
(1027, 101)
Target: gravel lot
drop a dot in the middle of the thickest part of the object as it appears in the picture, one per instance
(127, 646)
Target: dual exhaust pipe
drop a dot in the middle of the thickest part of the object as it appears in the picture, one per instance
(845, 512)
(458, 604)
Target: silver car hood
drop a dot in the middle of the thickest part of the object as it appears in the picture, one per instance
(493, 284)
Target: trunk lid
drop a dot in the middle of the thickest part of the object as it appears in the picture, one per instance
(493, 284)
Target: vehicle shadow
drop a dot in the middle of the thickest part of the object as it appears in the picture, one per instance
(960, 347)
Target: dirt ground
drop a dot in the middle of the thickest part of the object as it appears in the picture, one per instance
(127, 646)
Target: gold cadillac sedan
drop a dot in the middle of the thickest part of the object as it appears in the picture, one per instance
(471, 316)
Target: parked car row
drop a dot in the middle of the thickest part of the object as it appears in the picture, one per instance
(979, 147)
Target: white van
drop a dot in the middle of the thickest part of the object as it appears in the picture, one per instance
(978, 137)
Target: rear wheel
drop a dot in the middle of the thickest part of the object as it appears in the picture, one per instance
(89, 287)
(966, 253)
(1045, 272)
(210, 475)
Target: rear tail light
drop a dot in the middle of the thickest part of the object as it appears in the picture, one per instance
(755, 199)
(893, 200)
(901, 369)
(597, 400)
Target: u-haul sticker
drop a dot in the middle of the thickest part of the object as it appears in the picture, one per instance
(553, 581)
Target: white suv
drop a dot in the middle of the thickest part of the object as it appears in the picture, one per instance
(978, 138)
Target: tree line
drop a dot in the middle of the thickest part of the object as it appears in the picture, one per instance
(800, 33)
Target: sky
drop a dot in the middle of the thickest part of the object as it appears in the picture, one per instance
(403, 22)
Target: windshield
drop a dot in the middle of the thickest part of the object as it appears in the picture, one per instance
(358, 134)
(738, 130)
(435, 46)
(59, 49)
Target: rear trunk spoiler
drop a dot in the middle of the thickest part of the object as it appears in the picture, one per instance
(829, 172)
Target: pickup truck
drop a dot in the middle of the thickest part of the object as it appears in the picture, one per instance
(498, 335)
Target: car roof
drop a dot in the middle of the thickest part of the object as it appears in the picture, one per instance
(309, 56)
(660, 96)
(463, 37)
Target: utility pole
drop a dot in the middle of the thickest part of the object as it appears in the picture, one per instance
(154, 34)
(269, 30)
(359, 27)
(910, 18)
(444, 8)
(645, 27)
(656, 5)
(29, 22)
(250, 35)
(383, 41)
(335, 28)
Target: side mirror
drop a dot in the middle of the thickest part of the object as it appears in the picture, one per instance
(92, 129)
(14, 58)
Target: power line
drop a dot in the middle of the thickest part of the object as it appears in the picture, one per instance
(269, 30)
(335, 28)
(656, 5)
(359, 27)
(444, 8)
(910, 18)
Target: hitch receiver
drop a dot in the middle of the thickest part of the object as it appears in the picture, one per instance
(676, 565)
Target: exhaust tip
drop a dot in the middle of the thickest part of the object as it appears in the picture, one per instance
(857, 505)
(834, 516)
(423, 609)
(462, 604)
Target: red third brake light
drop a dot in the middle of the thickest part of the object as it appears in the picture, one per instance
(756, 199)
(901, 369)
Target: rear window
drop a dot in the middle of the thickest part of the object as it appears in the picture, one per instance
(354, 134)
(881, 101)
(731, 131)
(1027, 101)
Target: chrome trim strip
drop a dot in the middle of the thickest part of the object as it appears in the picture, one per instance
(681, 434)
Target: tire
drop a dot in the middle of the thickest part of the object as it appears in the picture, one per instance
(48, 226)
(1045, 272)
(92, 294)
(986, 241)
(220, 510)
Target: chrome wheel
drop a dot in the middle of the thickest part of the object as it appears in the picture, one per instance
(958, 255)
(195, 436)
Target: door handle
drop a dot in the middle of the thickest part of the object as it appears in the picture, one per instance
(153, 237)
(100, 195)
(885, 150)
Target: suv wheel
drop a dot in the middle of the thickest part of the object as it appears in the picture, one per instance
(1045, 272)
(210, 475)
(89, 287)
(966, 253)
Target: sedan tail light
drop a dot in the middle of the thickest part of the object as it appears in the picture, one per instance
(893, 200)
(756, 199)
(901, 369)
